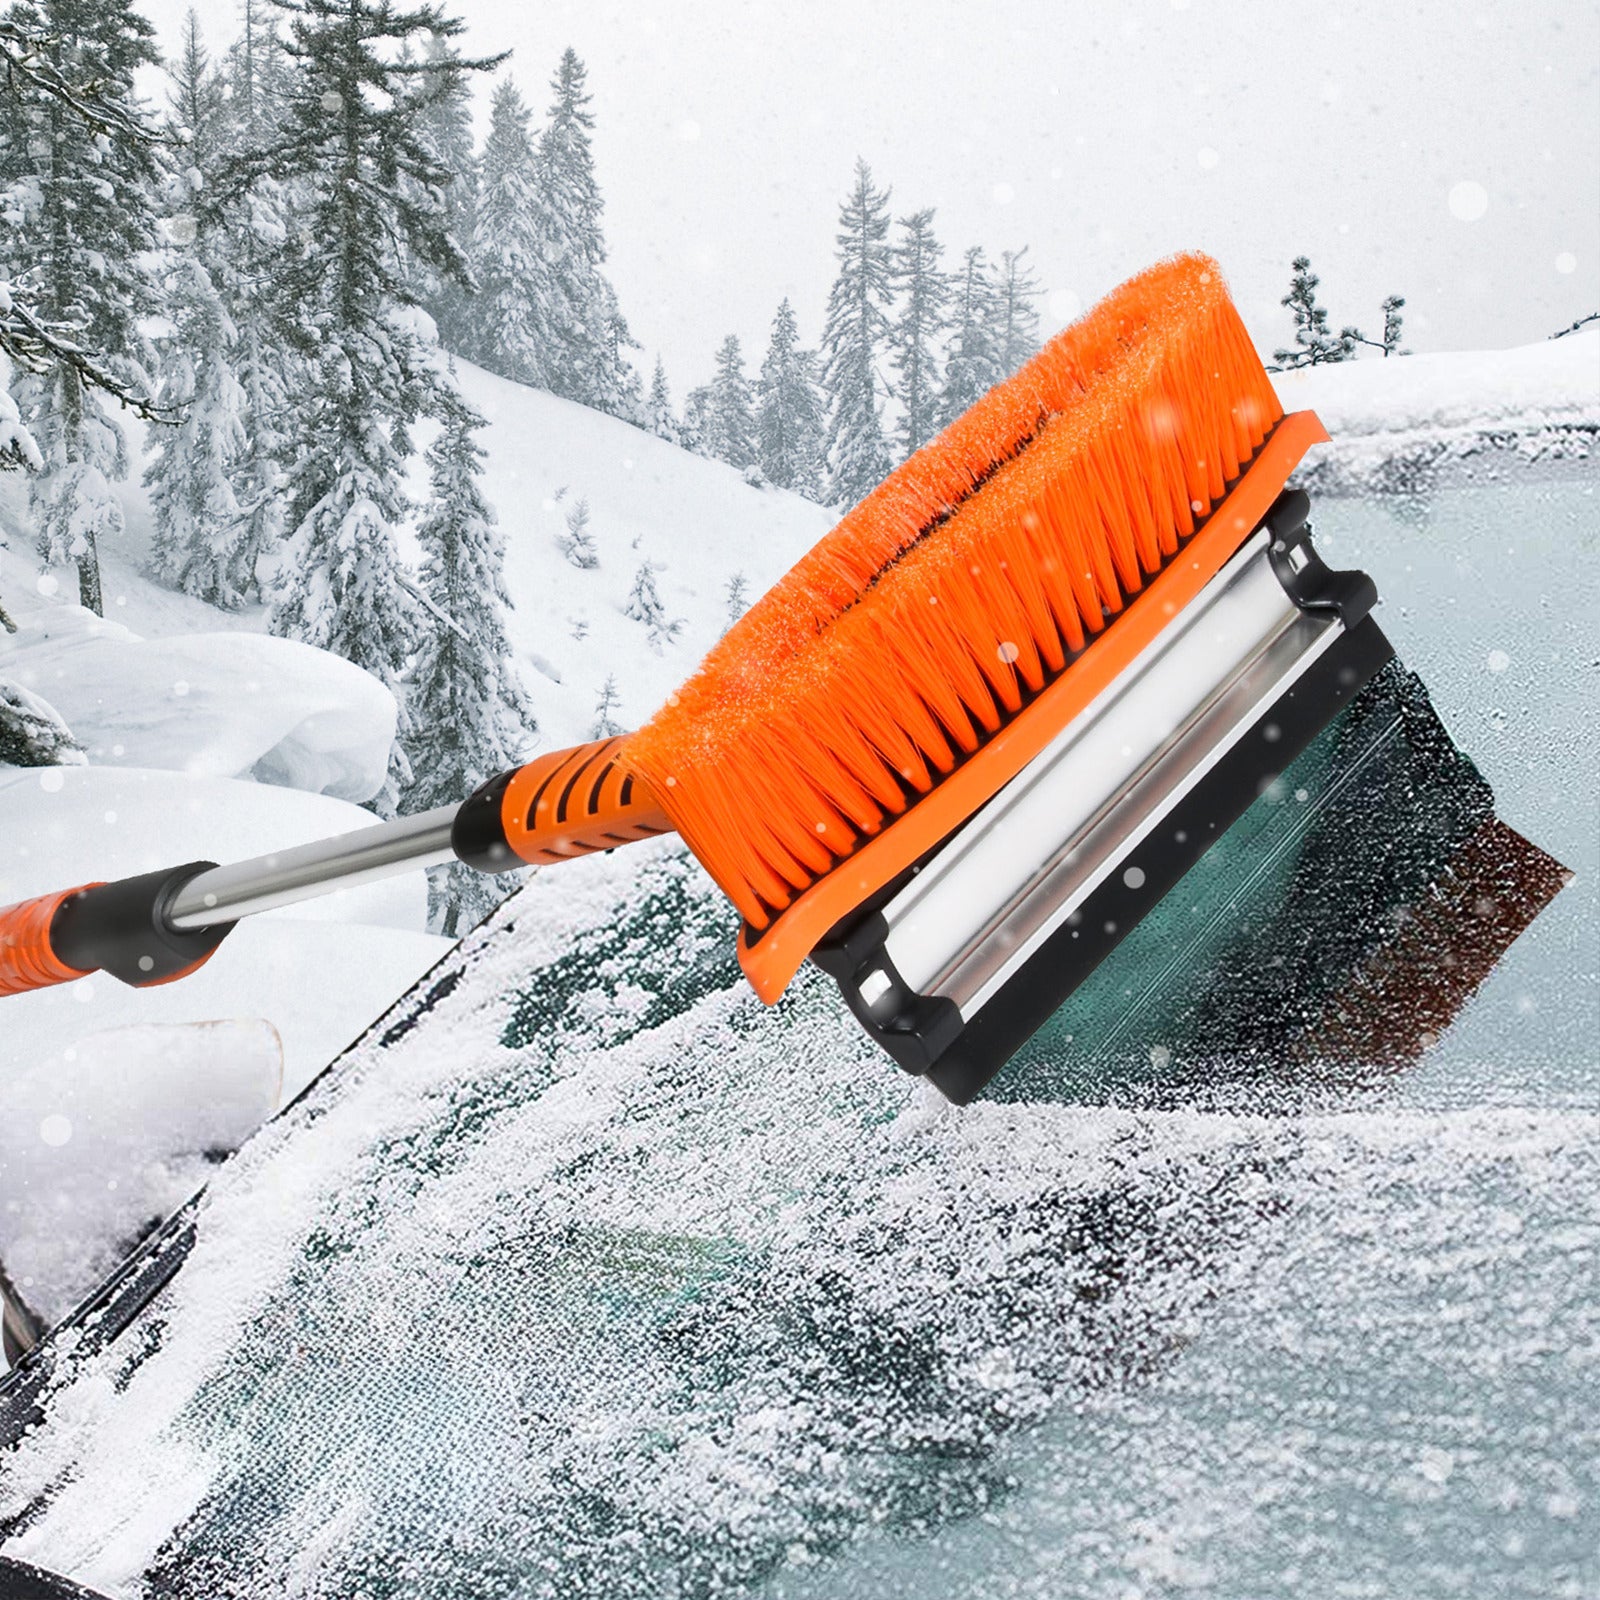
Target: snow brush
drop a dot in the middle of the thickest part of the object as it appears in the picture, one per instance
(966, 743)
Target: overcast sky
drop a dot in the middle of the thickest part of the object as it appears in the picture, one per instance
(1441, 151)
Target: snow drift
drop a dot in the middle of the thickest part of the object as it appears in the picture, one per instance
(61, 826)
(224, 705)
(112, 1133)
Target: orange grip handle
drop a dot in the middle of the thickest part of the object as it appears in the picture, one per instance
(27, 959)
(573, 802)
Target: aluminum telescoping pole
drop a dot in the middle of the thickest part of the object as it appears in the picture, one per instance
(282, 877)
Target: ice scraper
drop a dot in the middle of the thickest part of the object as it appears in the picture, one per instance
(964, 746)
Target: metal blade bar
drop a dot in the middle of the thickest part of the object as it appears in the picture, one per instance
(1105, 847)
(963, 912)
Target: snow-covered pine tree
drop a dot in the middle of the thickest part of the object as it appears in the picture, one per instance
(923, 293)
(585, 335)
(77, 172)
(1393, 306)
(644, 605)
(624, 387)
(514, 305)
(366, 186)
(731, 424)
(199, 107)
(29, 345)
(259, 78)
(470, 715)
(971, 366)
(789, 410)
(202, 539)
(32, 733)
(446, 126)
(1014, 325)
(662, 420)
(696, 426)
(577, 543)
(202, 543)
(258, 75)
(606, 726)
(735, 597)
(266, 371)
(1389, 344)
(1314, 345)
(853, 339)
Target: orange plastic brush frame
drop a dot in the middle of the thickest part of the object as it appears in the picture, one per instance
(772, 956)
(959, 589)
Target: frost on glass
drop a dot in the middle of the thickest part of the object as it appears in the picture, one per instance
(586, 1275)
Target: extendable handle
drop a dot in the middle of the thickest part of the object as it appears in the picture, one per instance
(161, 926)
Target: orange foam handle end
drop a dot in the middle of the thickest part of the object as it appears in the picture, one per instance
(27, 960)
(574, 802)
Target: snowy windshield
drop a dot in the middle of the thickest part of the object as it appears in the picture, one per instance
(586, 1274)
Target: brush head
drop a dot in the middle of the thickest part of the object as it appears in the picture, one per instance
(959, 588)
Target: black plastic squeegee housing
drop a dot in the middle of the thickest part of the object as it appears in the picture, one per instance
(926, 1034)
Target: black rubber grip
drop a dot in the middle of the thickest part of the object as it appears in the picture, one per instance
(122, 928)
(478, 836)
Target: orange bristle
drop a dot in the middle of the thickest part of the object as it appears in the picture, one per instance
(960, 586)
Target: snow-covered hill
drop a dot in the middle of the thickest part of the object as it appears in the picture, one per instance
(648, 501)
